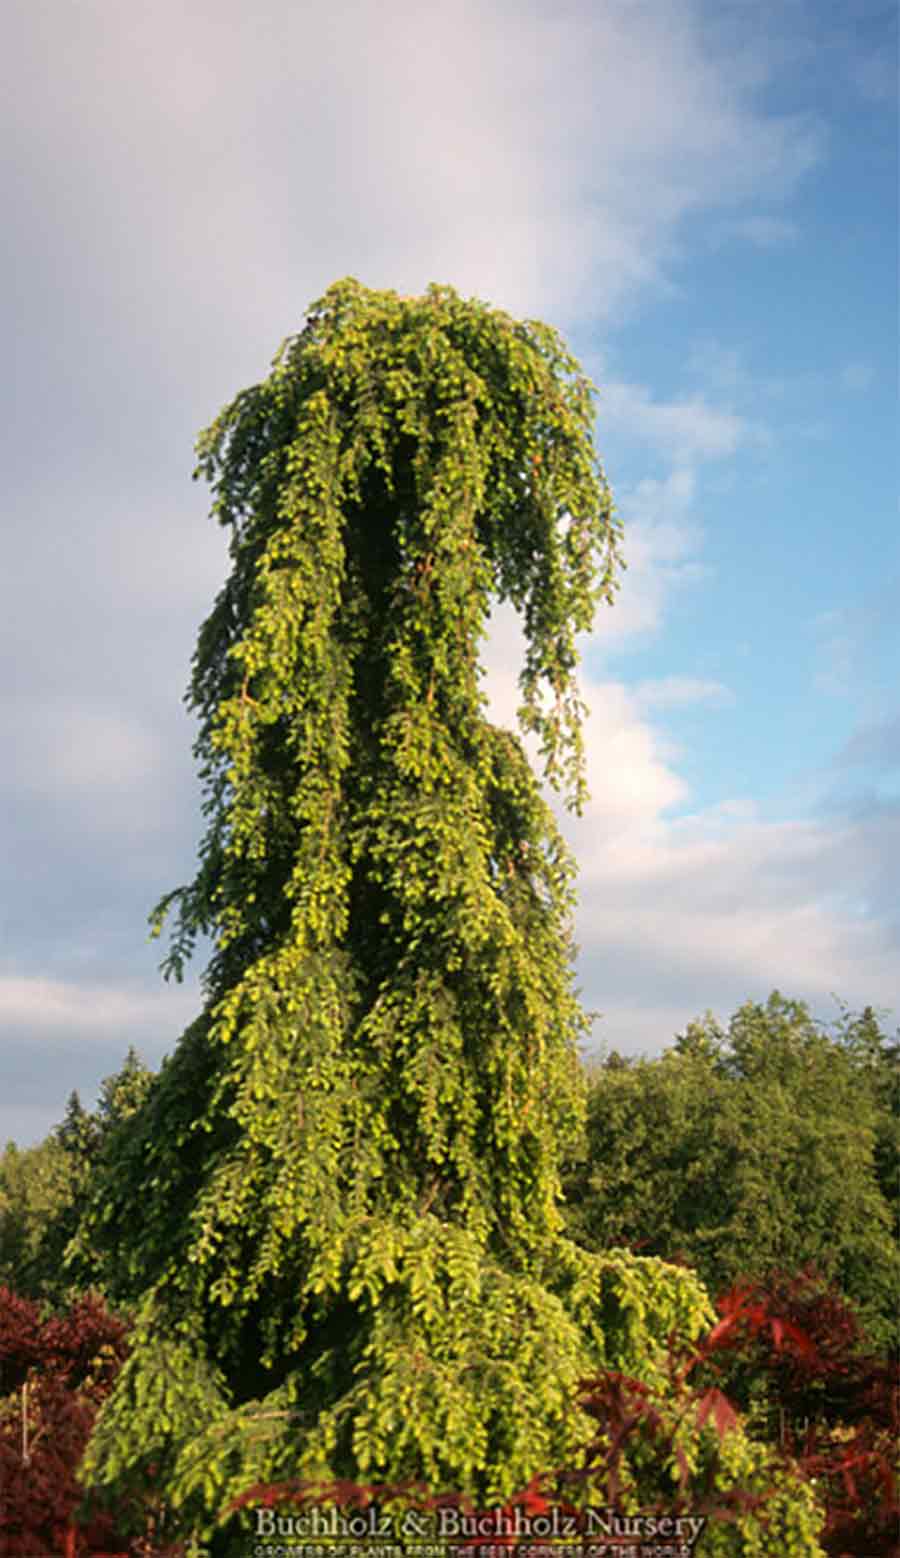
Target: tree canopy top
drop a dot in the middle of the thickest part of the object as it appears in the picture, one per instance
(421, 455)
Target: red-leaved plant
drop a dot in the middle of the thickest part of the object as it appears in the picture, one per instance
(54, 1374)
(830, 1405)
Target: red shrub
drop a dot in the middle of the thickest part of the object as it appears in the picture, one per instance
(54, 1373)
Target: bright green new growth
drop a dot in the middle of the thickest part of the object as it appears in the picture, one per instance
(348, 1251)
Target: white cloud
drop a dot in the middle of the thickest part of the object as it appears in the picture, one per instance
(211, 168)
(713, 906)
(770, 899)
(720, 906)
(663, 542)
(675, 692)
(105, 1010)
(65, 1034)
(627, 761)
(27, 1123)
(629, 765)
(685, 430)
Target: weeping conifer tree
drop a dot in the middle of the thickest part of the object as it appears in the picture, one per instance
(338, 1212)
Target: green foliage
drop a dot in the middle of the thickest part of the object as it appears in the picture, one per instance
(44, 1189)
(878, 1063)
(771, 1146)
(349, 1170)
(35, 1190)
(79, 1132)
(788, 1520)
(121, 1095)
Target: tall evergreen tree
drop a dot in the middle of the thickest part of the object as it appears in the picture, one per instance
(338, 1209)
(122, 1094)
(78, 1130)
(45, 1189)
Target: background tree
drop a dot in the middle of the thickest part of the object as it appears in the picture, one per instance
(79, 1131)
(764, 1148)
(35, 1189)
(350, 1258)
(121, 1094)
(876, 1062)
(45, 1189)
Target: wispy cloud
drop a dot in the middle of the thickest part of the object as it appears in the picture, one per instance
(719, 906)
(93, 1009)
(686, 430)
(194, 172)
(664, 555)
(713, 905)
(676, 692)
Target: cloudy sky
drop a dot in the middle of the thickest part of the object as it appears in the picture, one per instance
(701, 194)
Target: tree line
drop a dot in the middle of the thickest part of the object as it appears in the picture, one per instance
(762, 1154)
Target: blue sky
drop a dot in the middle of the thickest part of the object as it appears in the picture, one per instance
(703, 197)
